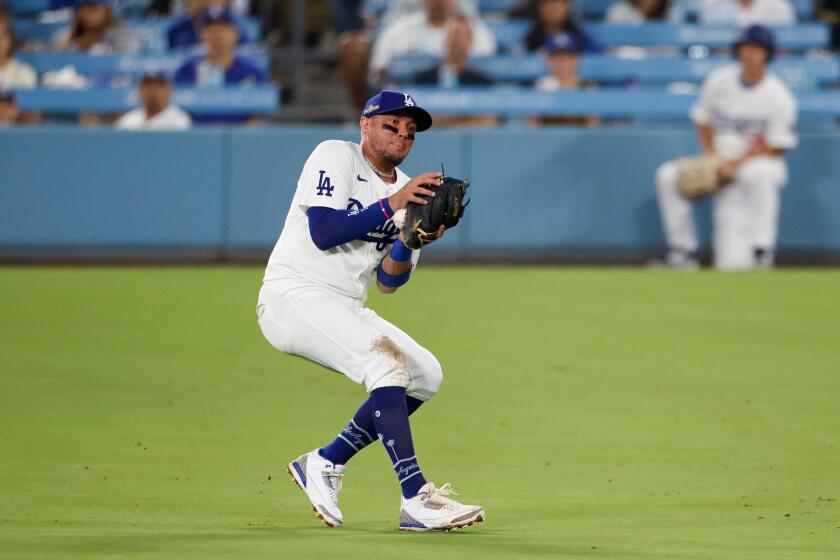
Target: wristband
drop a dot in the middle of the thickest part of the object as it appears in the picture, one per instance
(392, 280)
(385, 206)
(399, 252)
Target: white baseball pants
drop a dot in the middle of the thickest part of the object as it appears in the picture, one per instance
(341, 334)
(745, 212)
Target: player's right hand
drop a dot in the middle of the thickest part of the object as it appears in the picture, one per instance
(415, 187)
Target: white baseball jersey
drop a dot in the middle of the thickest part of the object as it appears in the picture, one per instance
(741, 114)
(761, 12)
(171, 118)
(336, 176)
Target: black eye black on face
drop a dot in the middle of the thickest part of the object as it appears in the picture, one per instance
(393, 126)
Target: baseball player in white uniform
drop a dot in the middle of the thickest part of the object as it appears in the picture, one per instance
(745, 115)
(340, 235)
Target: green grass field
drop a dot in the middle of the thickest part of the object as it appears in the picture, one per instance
(594, 413)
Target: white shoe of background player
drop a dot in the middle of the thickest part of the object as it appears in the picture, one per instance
(321, 480)
(432, 510)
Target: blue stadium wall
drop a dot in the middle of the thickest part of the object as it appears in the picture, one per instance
(551, 193)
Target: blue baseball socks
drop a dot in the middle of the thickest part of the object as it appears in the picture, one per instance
(359, 433)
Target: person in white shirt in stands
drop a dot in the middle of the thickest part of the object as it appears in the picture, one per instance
(424, 33)
(747, 12)
(635, 12)
(13, 73)
(156, 113)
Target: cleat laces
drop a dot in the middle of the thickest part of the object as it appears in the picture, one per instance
(440, 497)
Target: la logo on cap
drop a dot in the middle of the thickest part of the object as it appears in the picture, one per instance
(409, 102)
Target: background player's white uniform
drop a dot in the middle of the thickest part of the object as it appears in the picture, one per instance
(746, 210)
(312, 302)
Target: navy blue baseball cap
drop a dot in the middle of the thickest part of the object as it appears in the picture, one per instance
(217, 14)
(391, 101)
(757, 35)
(563, 42)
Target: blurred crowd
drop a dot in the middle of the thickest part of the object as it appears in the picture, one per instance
(215, 45)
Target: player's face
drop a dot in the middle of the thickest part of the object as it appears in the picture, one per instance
(390, 136)
(5, 42)
(752, 56)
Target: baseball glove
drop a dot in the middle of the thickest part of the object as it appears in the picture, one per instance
(422, 221)
(698, 176)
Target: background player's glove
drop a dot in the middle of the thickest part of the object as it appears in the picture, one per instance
(422, 222)
(698, 176)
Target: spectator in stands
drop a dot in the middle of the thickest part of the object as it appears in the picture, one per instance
(95, 30)
(562, 52)
(747, 12)
(634, 12)
(555, 16)
(185, 31)
(424, 33)
(156, 113)
(399, 8)
(220, 66)
(354, 48)
(13, 73)
(454, 71)
(8, 108)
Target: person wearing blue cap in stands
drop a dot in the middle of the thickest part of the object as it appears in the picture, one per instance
(185, 31)
(341, 236)
(220, 66)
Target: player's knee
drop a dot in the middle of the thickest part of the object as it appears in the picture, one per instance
(427, 384)
(434, 378)
(391, 367)
(666, 177)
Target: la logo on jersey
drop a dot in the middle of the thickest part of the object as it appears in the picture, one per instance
(383, 235)
(325, 188)
(409, 102)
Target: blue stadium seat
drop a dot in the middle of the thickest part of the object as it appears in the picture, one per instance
(510, 34)
(646, 103)
(123, 65)
(597, 9)
(798, 71)
(263, 99)
(152, 32)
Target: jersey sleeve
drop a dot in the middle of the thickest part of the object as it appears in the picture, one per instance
(327, 177)
(781, 132)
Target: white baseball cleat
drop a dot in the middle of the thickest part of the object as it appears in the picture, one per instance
(321, 480)
(432, 510)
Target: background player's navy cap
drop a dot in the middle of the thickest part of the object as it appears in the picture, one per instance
(154, 77)
(563, 42)
(217, 14)
(757, 35)
(391, 101)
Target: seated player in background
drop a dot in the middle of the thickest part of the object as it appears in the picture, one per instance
(95, 30)
(745, 116)
(747, 12)
(454, 71)
(8, 108)
(555, 16)
(156, 113)
(635, 12)
(220, 66)
(423, 33)
(562, 52)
